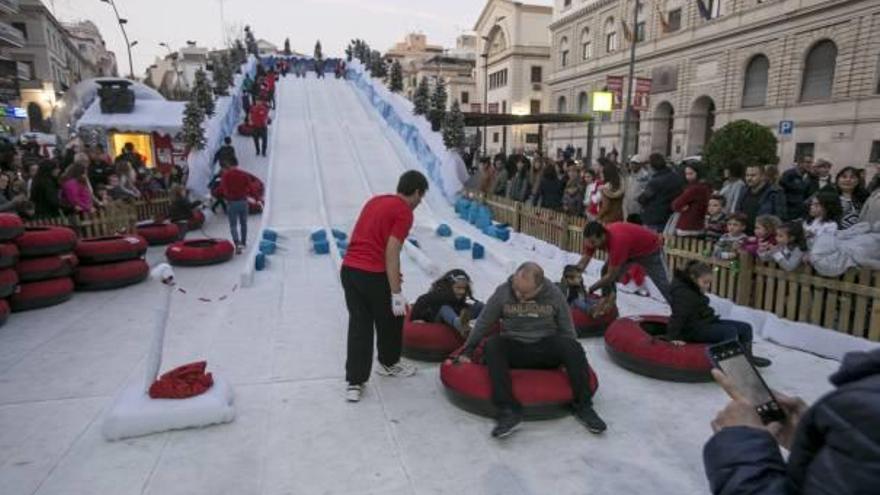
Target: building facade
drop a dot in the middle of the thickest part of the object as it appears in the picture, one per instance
(411, 53)
(457, 74)
(808, 69)
(86, 36)
(513, 47)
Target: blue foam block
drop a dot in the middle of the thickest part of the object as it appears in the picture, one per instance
(443, 230)
(338, 234)
(267, 247)
(462, 243)
(319, 235)
(270, 235)
(260, 262)
(341, 244)
(478, 252)
(322, 247)
(502, 233)
(483, 222)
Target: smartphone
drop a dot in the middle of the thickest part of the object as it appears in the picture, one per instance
(730, 358)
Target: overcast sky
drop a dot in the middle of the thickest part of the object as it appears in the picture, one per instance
(334, 22)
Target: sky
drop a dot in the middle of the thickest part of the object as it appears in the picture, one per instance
(334, 22)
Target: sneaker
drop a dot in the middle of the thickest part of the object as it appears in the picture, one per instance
(507, 423)
(353, 393)
(587, 416)
(760, 362)
(239, 249)
(400, 368)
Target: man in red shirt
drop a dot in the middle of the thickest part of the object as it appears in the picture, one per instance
(234, 187)
(626, 243)
(259, 120)
(371, 280)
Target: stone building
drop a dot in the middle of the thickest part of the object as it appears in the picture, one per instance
(808, 69)
(88, 40)
(513, 49)
(411, 53)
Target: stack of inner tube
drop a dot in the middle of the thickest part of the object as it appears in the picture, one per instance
(111, 262)
(44, 268)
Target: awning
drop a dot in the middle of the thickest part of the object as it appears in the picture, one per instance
(475, 119)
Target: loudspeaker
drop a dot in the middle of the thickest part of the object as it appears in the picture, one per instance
(116, 96)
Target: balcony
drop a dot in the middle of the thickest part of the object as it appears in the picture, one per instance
(9, 6)
(9, 36)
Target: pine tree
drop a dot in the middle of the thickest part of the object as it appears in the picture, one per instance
(395, 82)
(287, 46)
(202, 93)
(438, 105)
(222, 75)
(422, 98)
(377, 65)
(453, 128)
(318, 54)
(349, 50)
(239, 54)
(251, 41)
(193, 133)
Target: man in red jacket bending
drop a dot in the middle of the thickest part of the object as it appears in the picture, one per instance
(259, 120)
(234, 187)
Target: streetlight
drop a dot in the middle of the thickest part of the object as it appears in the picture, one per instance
(122, 22)
(628, 113)
(485, 56)
(133, 44)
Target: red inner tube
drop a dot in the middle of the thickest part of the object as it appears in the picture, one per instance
(34, 295)
(111, 275)
(8, 282)
(111, 248)
(48, 267)
(8, 254)
(200, 252)
(588, 326)
(196, 220)
(429, 341)
(4, 311)
(45, 241)
(633, 344)
(158, 234)
(11, 226)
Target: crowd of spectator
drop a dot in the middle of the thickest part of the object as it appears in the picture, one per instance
(757, 210)
(36, 183)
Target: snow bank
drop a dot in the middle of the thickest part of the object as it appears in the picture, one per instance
(445, 169)
(227, 116)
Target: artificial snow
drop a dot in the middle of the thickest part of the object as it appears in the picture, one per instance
(162, 116)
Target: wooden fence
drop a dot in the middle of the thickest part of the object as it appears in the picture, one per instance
(849, 304)
(117, 218)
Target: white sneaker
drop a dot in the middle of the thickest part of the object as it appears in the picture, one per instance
(401, 368)
(353, 393)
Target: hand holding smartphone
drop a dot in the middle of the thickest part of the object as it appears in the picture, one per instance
(731, 359)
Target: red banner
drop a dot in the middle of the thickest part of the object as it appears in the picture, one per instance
(642, 94)
(162, 144)
(615, 86)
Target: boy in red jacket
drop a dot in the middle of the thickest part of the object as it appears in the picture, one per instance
(234, 187)
(259, 121)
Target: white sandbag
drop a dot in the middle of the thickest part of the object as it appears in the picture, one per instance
(135, 414)
(813, 339)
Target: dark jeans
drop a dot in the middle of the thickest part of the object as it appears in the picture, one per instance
(503, 353)
(260, 135)
(237, 211)
(368, 299)
(655, 267)
(722, 331)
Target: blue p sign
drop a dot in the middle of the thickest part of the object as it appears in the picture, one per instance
(786, 127)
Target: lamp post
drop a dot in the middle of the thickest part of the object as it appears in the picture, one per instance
(122, 22)
(485, 56)
(627, 118)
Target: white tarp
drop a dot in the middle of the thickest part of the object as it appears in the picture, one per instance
(161, 116)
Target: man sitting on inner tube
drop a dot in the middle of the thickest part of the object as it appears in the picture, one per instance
(537, 333)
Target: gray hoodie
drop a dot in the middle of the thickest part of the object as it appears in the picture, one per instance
(547, 315)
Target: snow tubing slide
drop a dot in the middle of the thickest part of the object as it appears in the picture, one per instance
(543, 394)
(633, 344)
(8, 281)
(200, 252)
(432, 342)
(111, 275)
(11, 226)
(4, 311)
(8, 254)
(48, 267)
(588, 326)
(45, 241)
(159, 233)
(35, 295)
(110, 249)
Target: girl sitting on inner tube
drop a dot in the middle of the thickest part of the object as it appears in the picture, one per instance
(572, 286)
(693, 320)
(450, 301)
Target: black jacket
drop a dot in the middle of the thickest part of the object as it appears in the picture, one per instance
(690, 308)
(549, 193)
(797, 188)
(662, 189)
(226, 152)
(182, 209)
(428, 305)
(836, 449)
(45, 196)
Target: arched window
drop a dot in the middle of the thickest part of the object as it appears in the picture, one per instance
(610, 35)
(818, 78)
(586, 45)
(755, 82)
(583, 102)
(563, 52)
(561, 106)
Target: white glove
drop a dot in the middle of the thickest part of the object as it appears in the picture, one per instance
(398, 304)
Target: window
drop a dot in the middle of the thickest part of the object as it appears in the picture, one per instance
(640, 31)
(878, 76)
(465, 98)
(803, 149)
(561, 105)
(534, 107)
(495, 137)
(586, 45)
(21, 27)
(818, 77)
(755, 83)
(503, 106)
(566, 4)
(583, 102)
(537, 73)
(610, 35)
(875, 152)
(563, 52)
(674, 21)
(498, 79)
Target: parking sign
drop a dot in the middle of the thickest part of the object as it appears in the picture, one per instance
(786, 127)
